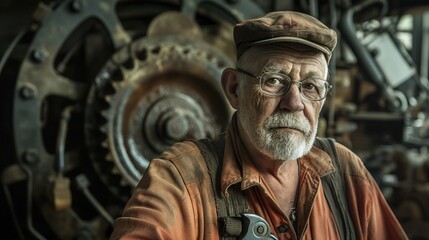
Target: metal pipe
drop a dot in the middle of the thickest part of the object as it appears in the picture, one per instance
(30, 204)
(12, 174)
(364, 58)
(61, 138)
(83, 183)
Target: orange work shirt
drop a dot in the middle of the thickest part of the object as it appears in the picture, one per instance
(174, 198)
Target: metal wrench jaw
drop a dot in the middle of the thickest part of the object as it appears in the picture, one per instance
(255, 227)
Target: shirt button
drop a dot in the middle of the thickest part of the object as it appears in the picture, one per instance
(282, 228)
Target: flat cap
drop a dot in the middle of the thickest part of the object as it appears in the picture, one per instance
(285, 26)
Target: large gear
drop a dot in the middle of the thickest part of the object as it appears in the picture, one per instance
(151, 94)
(98, 89)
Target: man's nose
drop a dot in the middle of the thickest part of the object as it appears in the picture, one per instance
(292, 99)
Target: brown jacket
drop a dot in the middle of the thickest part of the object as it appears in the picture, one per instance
(174, 199)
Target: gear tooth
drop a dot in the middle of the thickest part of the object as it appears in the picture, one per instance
(109, 157)
(108, 99)
(105, 144)
(123, 183)
(115, 170)
(103, 129)
(105, 114)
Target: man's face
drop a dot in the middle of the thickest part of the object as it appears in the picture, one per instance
(282, 127)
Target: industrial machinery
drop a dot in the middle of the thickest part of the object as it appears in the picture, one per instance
(92, 90)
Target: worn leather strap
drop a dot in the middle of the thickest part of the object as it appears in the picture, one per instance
(334, 190)
(229, 208)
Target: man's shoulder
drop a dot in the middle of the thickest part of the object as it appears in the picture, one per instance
(345, 153)
(187, 158)
(180, 150)
(350, 162)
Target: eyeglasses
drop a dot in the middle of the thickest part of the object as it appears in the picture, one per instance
(276, 84)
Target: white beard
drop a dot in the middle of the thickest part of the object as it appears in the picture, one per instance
(279, 144)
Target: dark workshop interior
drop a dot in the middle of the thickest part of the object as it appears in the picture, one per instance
(92, 90)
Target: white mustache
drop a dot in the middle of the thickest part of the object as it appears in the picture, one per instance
(288, 120)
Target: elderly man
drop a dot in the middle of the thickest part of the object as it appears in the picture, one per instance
(267, 158)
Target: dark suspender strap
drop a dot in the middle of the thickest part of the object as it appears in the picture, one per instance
(229, 208)
(334, 189)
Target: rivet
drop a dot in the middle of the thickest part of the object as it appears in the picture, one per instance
(27, 92)
(30, 156)
(39, 55)
(76, 5)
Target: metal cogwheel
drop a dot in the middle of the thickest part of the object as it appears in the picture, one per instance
(97, 89)
(153, 93)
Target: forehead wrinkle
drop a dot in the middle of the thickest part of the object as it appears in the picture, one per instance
(296, 65)
(272, 68)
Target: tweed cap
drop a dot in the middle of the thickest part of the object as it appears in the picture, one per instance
(285, 26)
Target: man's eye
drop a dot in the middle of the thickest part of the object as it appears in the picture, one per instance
(309, 86)
(273, 81)
(313, 85)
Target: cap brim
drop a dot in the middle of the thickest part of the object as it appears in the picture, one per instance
(294, 40)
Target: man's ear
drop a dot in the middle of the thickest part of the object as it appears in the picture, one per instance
(230, 86)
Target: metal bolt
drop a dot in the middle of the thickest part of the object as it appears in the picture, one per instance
(260, 229)
(27, 92)
(40, 55)
(30, 156)
(177, 127)
(76, 5)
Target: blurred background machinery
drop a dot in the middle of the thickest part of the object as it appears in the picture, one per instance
(91, 90)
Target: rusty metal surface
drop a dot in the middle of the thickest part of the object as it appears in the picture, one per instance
(151, 94)
(100, 88)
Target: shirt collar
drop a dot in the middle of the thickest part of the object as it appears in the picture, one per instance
(238, 165)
